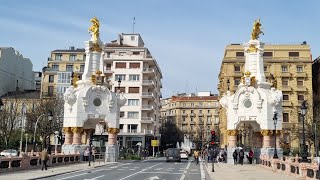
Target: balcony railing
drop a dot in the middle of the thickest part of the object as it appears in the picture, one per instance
(148, 83)
(146, 120)
(200, 114)
(286, 88)
(209, 114)
(148, 70)
(301, 88)
(147, 95)
(192, 114)
(286, 103)
(147, 108)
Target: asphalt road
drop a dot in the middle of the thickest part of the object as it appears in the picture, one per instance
(138, 170)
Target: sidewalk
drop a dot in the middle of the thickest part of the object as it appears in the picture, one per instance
(52, 171)
(224, 171)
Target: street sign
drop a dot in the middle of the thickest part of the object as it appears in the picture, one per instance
(154, 143)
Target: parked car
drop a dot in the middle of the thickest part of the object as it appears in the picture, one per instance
(9, 152)
(173, 154)
(184, 155)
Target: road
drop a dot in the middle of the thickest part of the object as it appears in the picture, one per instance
(138, 170)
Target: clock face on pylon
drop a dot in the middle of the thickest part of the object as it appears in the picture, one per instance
(247, 81)
(247, 103)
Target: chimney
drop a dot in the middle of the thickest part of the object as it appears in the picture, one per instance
(71, 48)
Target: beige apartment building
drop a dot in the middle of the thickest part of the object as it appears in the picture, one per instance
(194, 114)
(290, 66)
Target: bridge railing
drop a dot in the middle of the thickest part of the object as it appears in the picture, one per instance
(292, 166)
(32, 162)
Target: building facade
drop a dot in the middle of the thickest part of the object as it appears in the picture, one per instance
(194, 114)
(128, 60)
(289, 67)
(37, 80)
(16, 70)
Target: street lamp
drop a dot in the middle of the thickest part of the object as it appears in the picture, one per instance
(26, 150)
(50, 117)
(303, 109)
(22, 125)
(275, 119)
(228, 84)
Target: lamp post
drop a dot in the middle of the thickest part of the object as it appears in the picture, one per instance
(275, 119)
(22, 125)
(50, 117)
(26, 149)
(119, 83)
(304, 150)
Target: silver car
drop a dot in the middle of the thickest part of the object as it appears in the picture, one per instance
(173, 154)
(9, 152)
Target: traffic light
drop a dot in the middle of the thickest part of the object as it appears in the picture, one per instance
(213, 137)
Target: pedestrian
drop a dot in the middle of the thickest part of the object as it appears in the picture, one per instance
(209, 154)
(93, 153)
(86, 154)
(241, 156)
(235, 157)
(196, 156)
(250, 156)
(44, 159)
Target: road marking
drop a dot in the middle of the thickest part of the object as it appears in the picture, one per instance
(203, 176)
(152, 178)
(157, 169)
(95, 178)
(158, 173)
(140, 171)
(98, 170)
(185, 171)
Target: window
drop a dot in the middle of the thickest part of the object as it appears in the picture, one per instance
(134, 77)
(192, 104)
(108, 66)
(134, 65)
(183, 104)
(121, 115)
(285, 117)
(299, 69)
(293, 54)
(121, 65)
(58, 57)
(300, 97)
(239, 54)
(134, 89)
(64, 78)
(122, 53)
(200, 104)
(284, 68)
(55, 67)
(265, 68)
(133, 38)
(299, 81)
(51, 78)
(209, 120)
(267, 54)
(50, 90)
(121, 126)
(72, 57)
(200, 111)
(122, 77)
(285, 81)
(208, 111)
(285, 97)
(237, 68)
(132, 128)
(236, 81)
(69, 68)
(61, 89)
(133, 115)
(82, 68)
(136, 53)
(84, 57)
(108, 55)
(122, 89)
(133, 102)
(191, 119)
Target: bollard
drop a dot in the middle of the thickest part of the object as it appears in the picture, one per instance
(212, 170)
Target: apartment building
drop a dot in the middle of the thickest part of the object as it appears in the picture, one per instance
(15, 71)
(56, 77)
(290, 67)
(128, 60)
(194, 114)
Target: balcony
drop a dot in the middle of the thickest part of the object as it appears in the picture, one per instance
(147, 83)
(147, 95)
(148, 132)
(209, 114)
(286, 88)
(200, 114)
(301, 88)
(286, 74)
(148, 70)
(107, 71)
(147, 108)
(192, 122)
(286, 103)
(192, 114)
(184, 114)
(147, 120)
(184, 122)
(238, 74)
(301, 74)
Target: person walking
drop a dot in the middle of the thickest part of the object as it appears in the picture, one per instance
(241, 156)
(44, 159)
(250, 156)
(235, 157)
(196, 156)
(86, 154)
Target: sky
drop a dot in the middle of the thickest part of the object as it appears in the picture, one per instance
(186, 37)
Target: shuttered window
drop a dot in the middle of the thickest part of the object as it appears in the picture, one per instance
(134, 90)
(121, 65)
(134, 65)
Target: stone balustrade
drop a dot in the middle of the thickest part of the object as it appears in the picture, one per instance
(292, 166)
(31, 162)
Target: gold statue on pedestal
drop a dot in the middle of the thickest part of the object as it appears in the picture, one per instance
(256, 30)
(94, 28)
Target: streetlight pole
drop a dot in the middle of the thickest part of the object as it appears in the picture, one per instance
(50, 116)
(275, 119)
(303, 113)
(22, 126)
(26, 149)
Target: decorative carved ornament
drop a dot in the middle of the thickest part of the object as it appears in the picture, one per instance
(95, 47)
(278, 132)
(113, 130)
(66, 130)
(76, 130)
(232, 132)
(266, 132)
(252, 48)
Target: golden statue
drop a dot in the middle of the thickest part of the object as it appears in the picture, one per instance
(256, 30)
(94, 28)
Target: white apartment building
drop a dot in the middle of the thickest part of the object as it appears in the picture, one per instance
(15, 71)
(128, 60)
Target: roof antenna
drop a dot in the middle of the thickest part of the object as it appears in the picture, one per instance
(134, 22)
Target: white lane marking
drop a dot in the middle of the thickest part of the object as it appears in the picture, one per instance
(158, 173)
(99, 170)
(72, 176)
(185, 171)
(157, 169)
(140, 171)
(132, 169)
(203, 176)
(152, 178)
(95, 178)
